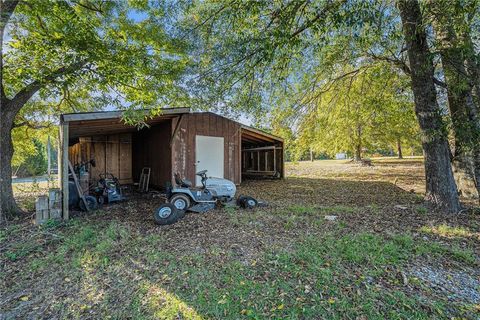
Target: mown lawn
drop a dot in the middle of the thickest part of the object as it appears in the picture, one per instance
(386, 255)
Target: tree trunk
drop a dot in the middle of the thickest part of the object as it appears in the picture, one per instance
(3, 181)
(459, 92)
(440, 184)
(473, 109)
(399, 149)
(311, 155)
(358, 152)
(358, 144)
(473, 67)
(9, 206)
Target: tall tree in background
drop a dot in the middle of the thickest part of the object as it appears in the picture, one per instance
(369, 109)
(446, 17)
(255, 51)
(72, 55)
(441, 187)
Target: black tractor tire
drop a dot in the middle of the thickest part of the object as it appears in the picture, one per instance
(180, 201)
(167, 213)
(91, 202)
(247, 202)
(101, 200)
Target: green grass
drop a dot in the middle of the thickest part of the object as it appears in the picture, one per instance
(284, 261)
(306, 284)
(445, 230)
(421, 210)
(330, 276)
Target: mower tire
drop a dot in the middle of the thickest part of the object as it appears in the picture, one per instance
(180, 201)
(91, 202)
(101, 200)
(167, 213)
(247, 202)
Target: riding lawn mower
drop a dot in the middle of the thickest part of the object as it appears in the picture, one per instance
(184, 197)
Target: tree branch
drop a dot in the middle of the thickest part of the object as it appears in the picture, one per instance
(31, 125)
(28, 91)
(6, 10)
(7, 7)
(402, 65)
(90, 7)
(318, 16)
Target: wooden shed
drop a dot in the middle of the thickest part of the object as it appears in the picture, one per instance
(176, 141)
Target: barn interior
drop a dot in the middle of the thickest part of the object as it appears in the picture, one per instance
(101, 146)
(262, 154)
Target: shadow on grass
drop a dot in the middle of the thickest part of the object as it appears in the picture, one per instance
(144, 280)
(119, 264)
(328, 192)
(398, 162)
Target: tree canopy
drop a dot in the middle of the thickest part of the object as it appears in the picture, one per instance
(79, 55)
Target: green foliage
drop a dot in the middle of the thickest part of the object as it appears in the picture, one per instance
(36, 163)
(368, 110)
(326, 76)
(89, 55)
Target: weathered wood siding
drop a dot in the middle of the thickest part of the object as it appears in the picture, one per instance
(112, 154)
(151, 148)
(206, 124)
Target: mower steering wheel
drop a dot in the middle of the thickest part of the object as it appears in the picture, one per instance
(201, 173)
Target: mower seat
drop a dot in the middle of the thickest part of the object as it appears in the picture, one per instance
(183, 183)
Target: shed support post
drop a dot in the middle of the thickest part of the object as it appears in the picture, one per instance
(258, 160)
(63, 166)
(274, 159)
(266, 161)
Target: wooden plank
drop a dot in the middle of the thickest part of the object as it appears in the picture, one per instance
(77, 185)
(226, 148)
(125, 158)
(240, 154)
(115, 114)
(274, 159)
(231, 150)
(266, 161)
(99, 149)
(262, 148)
(63, 168)
(237, 153)
(191, 132)
(175, 131)
(260, 133)
(111, 152)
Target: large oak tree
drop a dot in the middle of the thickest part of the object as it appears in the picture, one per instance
(441, 187)
(82, 54)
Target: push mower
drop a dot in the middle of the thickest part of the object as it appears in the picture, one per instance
(184, 197)
(108, 189)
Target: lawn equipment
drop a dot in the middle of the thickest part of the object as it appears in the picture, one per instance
(76, 196)
(108, 189)
(184, 197)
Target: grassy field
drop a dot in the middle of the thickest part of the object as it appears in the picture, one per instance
(386, 254)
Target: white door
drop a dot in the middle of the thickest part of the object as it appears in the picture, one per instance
(209, 153)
